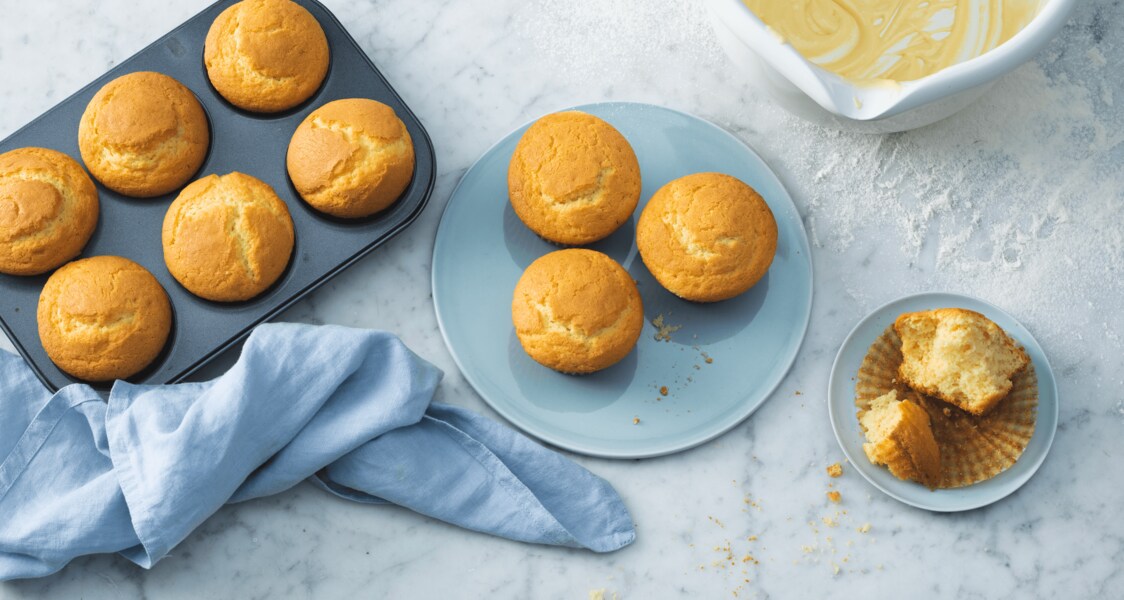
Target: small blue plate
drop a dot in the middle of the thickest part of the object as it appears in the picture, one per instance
(841, 408)
(482, 248)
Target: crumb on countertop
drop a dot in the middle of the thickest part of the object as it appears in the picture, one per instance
(865, 528)
(635, 420)
(663, 390)
(835, 470)
(834, 496)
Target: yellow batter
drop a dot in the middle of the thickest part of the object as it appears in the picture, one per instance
(900, 40)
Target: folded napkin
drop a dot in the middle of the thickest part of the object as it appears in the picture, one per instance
(348, 409)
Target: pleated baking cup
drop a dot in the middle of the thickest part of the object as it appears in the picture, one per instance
(973, 448)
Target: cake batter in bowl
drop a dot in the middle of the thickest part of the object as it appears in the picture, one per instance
(879, 66)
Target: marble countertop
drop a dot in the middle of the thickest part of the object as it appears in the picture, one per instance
(1017, 200)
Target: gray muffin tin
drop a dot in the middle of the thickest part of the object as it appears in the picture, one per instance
(252, 143)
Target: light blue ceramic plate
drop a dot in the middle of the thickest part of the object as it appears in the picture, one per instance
(841, 408)
(482, 249)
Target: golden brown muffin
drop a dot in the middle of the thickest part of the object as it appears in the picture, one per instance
(266, 55)
(573, 178)
(707, 237)
(227, 238)
(103, 318)
(48, 210)
(351, 158)
(959, 356)
(577, 311)
(143, 134)
(899, 436)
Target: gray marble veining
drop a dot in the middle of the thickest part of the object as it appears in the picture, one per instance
(1017, 200)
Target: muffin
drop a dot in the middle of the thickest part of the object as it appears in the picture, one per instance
(958, 356)
(577, 311)
(351, 158)
(227, 238)
(900, 436)
(573, 178)
(103, 318)
(707, 237)
(266, 55)
(972, 448)
(48, 210)
(143, 134)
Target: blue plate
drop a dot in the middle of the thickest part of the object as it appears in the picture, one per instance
(482, 248)
(841, 408)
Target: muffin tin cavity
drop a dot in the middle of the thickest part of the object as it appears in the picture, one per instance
(256, 146)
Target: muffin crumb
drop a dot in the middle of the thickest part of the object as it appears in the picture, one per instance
(835, 470)
(664, 329)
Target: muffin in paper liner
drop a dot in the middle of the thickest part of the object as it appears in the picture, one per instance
(973, 449)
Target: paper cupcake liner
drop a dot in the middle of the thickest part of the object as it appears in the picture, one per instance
(973, 448)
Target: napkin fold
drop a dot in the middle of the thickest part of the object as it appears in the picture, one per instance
(348, 409)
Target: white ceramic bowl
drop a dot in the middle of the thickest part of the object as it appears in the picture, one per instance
(825, 98)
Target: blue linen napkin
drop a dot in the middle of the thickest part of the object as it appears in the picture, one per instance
(348, 409)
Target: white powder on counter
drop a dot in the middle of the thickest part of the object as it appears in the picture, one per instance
(1017, 200)
(604, 41)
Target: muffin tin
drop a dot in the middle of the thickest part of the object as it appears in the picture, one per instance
(240, 141)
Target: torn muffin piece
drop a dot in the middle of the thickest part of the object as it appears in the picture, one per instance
(900, 437)
(958, 356)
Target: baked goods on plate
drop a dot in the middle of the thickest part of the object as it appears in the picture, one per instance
(577, 311)
(573, 178)
(697, 369)
(959, 356)
(973, 447)
(266, 55)
(707, 237)
(983, 457)
(351, 158)
(143, 134)
(48, 210)
(899, 436)
(103, 318)
(227, 238)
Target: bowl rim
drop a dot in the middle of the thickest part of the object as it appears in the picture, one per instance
(866, 102)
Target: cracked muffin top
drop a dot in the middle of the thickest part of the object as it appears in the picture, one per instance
(707, 237)
(577, 311)
(48, 210)
(227, 238)
(573, 179)
(266, 55)
(351, 158)
(103, 318)
(143, 134)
